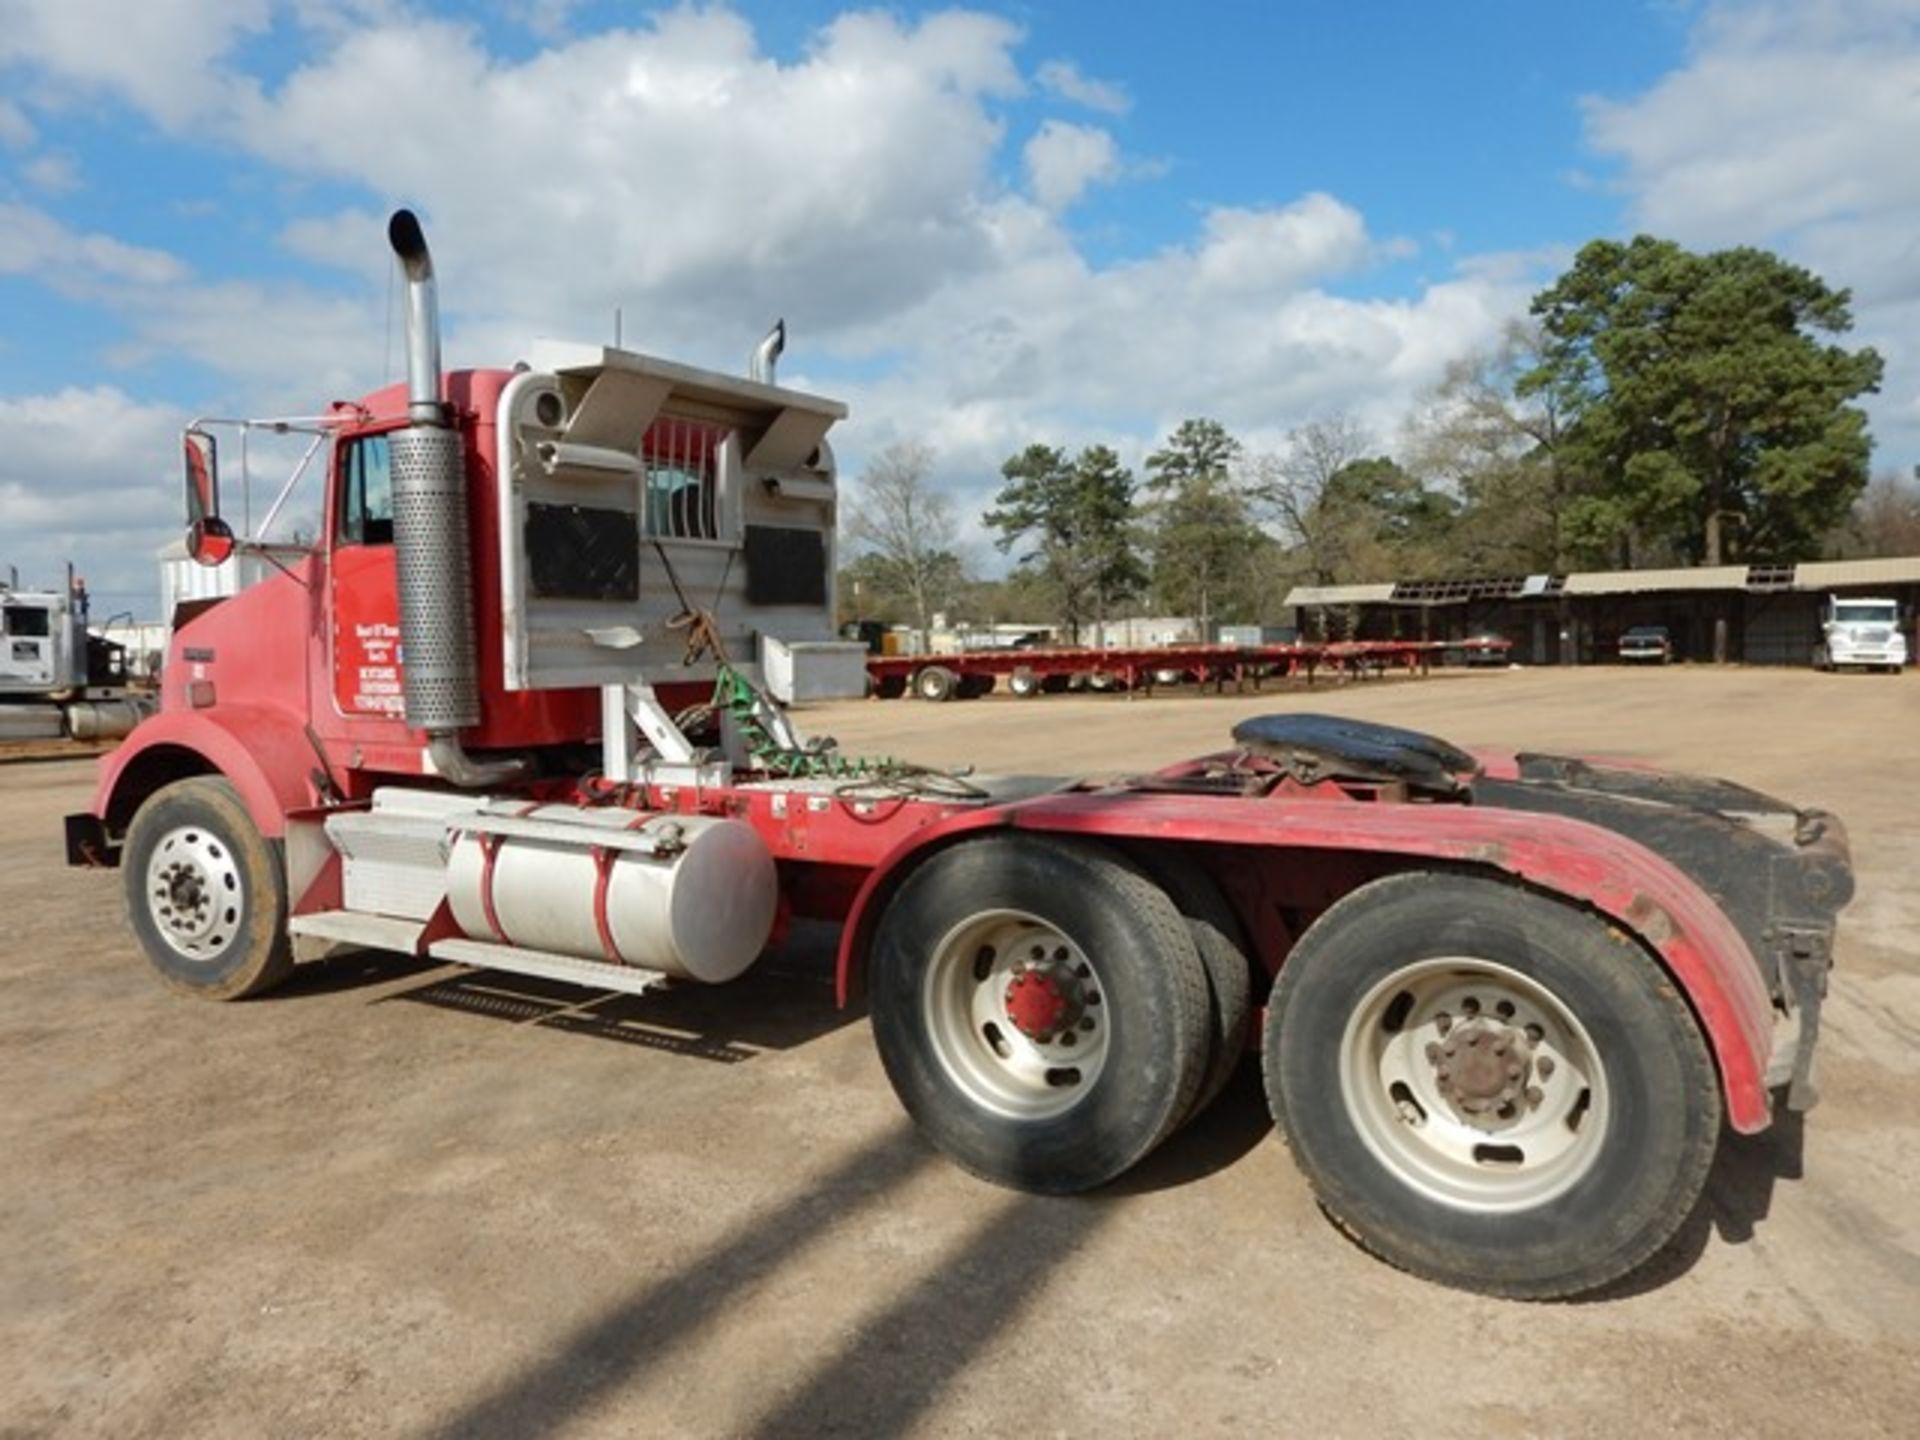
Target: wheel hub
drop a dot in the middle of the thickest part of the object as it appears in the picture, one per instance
(194, 893)
(1043, 1001)
(1482, 1069)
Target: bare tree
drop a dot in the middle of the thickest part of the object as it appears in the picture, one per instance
(1885, 519)
(897, 515)
(1500, 453)
(1292, 488)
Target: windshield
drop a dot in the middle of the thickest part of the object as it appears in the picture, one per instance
(1647, 632)
(1865, 612)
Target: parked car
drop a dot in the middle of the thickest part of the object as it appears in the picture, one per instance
(1650, 644)
(1486, 647)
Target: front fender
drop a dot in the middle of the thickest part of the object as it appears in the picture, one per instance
(1632, 886)
(263, 753)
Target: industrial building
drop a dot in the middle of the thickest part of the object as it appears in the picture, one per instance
(1756, 614)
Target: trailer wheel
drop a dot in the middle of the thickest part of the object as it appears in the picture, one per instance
(1040, 1010)
(972, 687)
(1488, 1087)
(206, 893)
(1024, 683)
(936, 682)
(890, 687)
(1220, 940)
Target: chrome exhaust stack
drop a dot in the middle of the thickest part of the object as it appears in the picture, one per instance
(431, 539)
(767, 353)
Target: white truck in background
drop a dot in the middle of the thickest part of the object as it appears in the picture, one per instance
(1860, 631)
(57, 680)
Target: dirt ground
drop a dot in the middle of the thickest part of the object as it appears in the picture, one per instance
(398, 1199)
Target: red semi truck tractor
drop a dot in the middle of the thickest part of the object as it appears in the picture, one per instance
(507, 712)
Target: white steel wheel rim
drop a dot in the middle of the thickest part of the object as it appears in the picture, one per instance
(990, 977)
(1435, 1119)
(194, 893)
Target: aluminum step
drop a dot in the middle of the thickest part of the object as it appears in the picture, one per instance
(353, 927)
(394, 856)
(596, 974)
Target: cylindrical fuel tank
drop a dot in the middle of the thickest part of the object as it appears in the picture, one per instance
(701, 908)
(104, 719)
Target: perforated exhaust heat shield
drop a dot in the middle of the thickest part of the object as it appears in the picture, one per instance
(440, 665)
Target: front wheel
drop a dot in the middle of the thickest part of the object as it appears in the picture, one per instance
(1488, 1087)
(206, 893)
(1040, 1009)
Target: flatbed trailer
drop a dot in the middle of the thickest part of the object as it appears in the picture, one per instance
(1503, 1003)
(967, 674)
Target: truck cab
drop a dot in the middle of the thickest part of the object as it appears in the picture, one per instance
(1859, 632)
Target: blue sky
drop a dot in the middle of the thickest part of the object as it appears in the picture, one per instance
(988, 225)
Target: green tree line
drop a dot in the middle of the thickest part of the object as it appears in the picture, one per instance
(1658, 407)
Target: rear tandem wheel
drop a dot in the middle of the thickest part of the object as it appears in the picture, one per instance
(1040, 1010)
(1488, 1087)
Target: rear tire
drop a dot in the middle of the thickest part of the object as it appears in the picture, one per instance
(936, 682)
(1403, 1057)
(1040, 1010)
(206, 893)
(1024, 683)
(1220, 940)
(890, 687)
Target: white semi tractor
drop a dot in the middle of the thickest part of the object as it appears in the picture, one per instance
(1860, 631)
(57, 681)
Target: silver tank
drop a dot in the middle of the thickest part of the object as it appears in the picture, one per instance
(701, 910)
(104, 719)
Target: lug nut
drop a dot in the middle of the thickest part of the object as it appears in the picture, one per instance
(1513, 1072)
(1545, 1066)
(1535, 1095)
(1433, 1050)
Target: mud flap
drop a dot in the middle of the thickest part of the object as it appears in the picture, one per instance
(1805, 957)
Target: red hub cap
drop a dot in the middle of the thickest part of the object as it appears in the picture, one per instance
(1038, 1003)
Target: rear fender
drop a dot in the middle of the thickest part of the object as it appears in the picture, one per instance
(263, 753)
(1639, 891)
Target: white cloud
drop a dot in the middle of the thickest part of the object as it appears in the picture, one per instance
(35, 244)
(159, 54)
(53, 172)
(1063, 159)
(16, 131)
(1792, 126)
(1280, 247)
(83, 477)
(1063, 78)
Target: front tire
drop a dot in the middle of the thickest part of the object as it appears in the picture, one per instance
(206, 893)
(1488, 1087)
(1040, 1010)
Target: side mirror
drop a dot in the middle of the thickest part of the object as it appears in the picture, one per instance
(203, 476)
(209, 540)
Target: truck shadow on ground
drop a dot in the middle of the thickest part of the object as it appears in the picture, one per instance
(882, 1375)
(784, 1001)
(1737, 1200)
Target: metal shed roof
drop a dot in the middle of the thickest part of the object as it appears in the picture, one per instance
(1634, 582)
(1339, 594)
(1824, 574)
